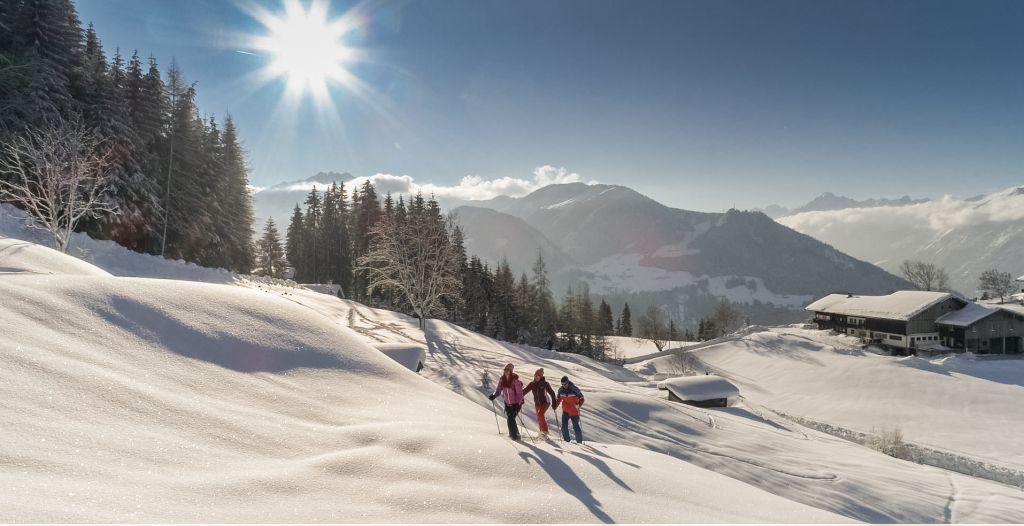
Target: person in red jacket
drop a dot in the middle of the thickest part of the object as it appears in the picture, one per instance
(511, 391)
(540, 389)
(571, 398)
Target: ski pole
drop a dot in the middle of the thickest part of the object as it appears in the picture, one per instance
(495, 410)
(528, 433)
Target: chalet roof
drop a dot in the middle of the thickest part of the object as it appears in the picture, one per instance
(701, 388)
(900, 305)
(966, 316)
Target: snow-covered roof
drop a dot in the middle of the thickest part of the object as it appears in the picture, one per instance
(1020, 278)
(409, 355)
(966, 316)
(900, 305)
(700, 388)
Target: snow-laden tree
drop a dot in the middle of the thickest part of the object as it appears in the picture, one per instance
(58, 175)
(415, 259)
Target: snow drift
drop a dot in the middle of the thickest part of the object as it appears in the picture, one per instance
(139, 400)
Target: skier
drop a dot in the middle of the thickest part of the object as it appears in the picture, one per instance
(571, 399)
(511, 390)
(540, 389)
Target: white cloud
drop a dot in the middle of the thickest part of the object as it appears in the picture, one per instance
(472, 187)
(937, 216)
(547, 174)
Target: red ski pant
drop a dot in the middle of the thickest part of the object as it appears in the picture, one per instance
(542, 421)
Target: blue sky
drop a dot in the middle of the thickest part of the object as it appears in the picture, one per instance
(700, 104)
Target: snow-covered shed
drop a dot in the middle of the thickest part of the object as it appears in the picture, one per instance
(410, 355)
(701, 391)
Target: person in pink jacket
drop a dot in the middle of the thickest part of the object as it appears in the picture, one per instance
(511, 391)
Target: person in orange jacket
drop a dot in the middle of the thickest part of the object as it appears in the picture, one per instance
(571, 399)
(540, 389)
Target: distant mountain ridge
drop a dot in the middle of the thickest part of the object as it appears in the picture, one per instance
(831, 201)
(279, 200)
(964, 236)
(628, 247)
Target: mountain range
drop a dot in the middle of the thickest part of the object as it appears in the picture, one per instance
(830, 201)
(627, 247)
(964, 236)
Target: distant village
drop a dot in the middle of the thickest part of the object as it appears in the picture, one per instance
(928, 322)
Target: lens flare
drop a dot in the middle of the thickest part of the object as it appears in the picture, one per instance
(306, 49)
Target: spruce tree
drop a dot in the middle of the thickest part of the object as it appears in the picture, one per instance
(270, 258)
(625, 323)
(236, 220)
(605, 325)
(294, 243)
(311, 244)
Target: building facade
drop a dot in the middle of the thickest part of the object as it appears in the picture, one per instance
(909, 322)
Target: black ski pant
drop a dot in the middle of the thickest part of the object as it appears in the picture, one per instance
(511, 411)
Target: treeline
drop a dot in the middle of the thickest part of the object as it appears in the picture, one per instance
(177, 178)
(405, 255)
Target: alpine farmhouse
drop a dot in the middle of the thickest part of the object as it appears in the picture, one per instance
(909, 322)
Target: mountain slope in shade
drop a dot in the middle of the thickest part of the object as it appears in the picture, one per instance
(965, 236)
(494, 236)
(279, 200)
(830, 201)
(628, 247)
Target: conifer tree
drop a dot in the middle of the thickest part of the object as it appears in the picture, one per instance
(270, 259)
(625, 323)
(294, 243)
(605, 325)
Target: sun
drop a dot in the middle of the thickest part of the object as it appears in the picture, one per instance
(305, 48)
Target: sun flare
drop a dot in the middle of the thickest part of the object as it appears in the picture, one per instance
(305, 48)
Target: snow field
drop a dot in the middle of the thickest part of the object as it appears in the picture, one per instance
(747, 443)
(952, 403)
(144, 400)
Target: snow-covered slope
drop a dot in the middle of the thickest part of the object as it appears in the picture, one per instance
(141, 400)
(965, 236)
(953, 403)
(106, 255)
(745, 442)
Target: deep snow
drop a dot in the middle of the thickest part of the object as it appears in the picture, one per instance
(140, 400)
(158, 400)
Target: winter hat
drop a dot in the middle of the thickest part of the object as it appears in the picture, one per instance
(508, 367)
(565, 379)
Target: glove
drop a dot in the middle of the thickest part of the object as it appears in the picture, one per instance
(492, 397)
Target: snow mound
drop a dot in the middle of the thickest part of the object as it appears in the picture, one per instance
(410, 356)
(17, 256)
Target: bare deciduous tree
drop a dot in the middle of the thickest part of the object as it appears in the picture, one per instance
(415, 259)
(925, 276)
(650, 326)
(997, 283)
(58, 175)
(726, 318)
(683, 362)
